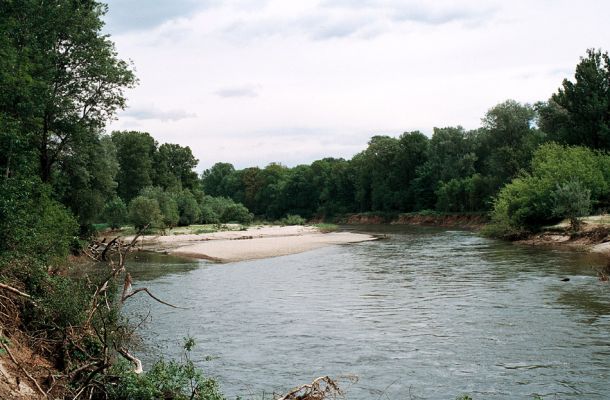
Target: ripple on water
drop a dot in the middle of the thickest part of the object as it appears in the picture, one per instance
(428, 312)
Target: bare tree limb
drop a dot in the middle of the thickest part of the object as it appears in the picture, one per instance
(15, 291)
(133, 359)
(30, 377)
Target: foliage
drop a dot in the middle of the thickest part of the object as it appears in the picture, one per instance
(135, 152)
(144, 211)
(170, 215)
(468, 194)
(579, 113)
(188, 208)
(165, 380)
(527, 202)
(32, 223)
(236, 212)
(571, 200)
(115, 213)
(174, 165)
(292, 219)
(216, 210)
(61, 79)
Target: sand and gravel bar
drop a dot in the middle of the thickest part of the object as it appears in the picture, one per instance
(253, 243)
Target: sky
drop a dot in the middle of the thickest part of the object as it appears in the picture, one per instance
(290, 81)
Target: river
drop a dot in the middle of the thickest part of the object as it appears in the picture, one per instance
(423, 313)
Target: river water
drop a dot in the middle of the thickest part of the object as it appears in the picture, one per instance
(423, 313)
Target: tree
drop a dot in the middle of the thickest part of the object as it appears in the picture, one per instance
(187, 208)
(215, 179)
(572, 200)
(170, 215)
(507, 140)
(579, 113)
(61, 79)
(115, 213)
(144, 211)
(173, 165)
(527, 202)
(135, 154)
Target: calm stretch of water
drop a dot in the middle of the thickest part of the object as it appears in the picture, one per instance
(425, 312)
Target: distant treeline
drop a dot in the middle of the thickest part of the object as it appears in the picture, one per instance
(456, 170)
(128, 177)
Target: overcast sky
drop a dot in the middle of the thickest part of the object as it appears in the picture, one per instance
(252, 82)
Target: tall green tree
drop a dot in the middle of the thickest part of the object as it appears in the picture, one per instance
(174, 167)
(60, 80)
(214, 179)
(506, 141)
(579, 113)
(135, 154)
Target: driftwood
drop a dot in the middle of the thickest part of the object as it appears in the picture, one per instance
(320, 389)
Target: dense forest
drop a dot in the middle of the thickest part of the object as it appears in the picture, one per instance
(61, 81)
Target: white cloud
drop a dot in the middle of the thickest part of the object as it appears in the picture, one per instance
(300, 80)
(153, 113)
(238, 91)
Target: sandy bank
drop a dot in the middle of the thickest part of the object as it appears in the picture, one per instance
(250, 244)
(594, 238)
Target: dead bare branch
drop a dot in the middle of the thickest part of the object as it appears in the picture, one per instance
(133, 359)
(15, 291)
(30, 377)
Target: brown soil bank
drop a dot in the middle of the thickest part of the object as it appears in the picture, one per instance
(469, 221)
(592, 238)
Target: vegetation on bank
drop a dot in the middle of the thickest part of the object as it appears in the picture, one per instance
(61, 80)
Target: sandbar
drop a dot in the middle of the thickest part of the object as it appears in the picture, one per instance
(250, 244)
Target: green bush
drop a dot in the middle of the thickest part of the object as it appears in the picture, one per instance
(572, 200)
(187, 208)
(165, 380)
(292, 219)
(528, 201)
(236, 212)
(168, 207)
(32, 223)
(216, 210)
(115, 213)
(144, 211)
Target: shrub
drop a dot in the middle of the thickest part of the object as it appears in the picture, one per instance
(236, 212)
(528, 201)
(215, 210)
(292, 219)
(165, 380)
(167, 205)
(144, 211)
(572, 200)
(115, 213)
(188, 208)
(32, 223)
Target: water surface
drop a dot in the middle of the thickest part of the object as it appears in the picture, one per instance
(426, 312)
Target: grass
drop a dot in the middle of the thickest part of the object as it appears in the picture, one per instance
(326, 227)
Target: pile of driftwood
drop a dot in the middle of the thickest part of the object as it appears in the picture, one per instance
(99, 250)
(322, 388)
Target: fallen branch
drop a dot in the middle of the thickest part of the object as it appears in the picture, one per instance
(321, 388)
(30, 377)
(15, 291)
(133, 359)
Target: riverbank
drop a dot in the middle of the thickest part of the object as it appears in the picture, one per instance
(248, 244)
(453, 220)
(594, 237)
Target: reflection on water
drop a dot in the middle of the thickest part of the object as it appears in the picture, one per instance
(429, 312)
